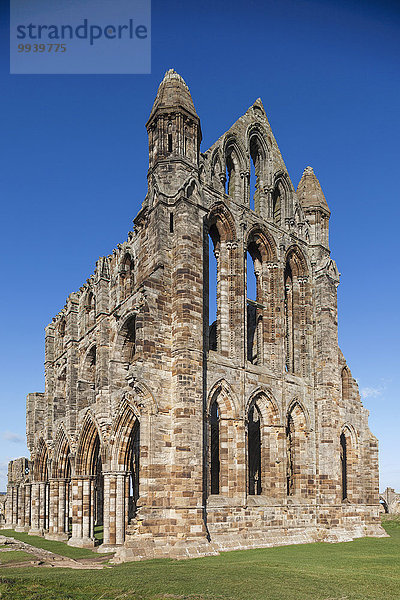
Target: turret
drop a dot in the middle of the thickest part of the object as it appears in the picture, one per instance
(174, 134)
(315, 208)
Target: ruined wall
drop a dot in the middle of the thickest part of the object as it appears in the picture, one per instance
(180, 437)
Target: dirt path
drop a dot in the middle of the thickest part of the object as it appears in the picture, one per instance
(45, 558)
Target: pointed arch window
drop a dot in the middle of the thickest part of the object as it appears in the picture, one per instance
(255, 173)
(289, 320)
(343, 464)
(299, 478)
(254, 304)
(213, 287)
(345, 384)
(169, 138)
(90, 310)
(61, 329)
(129, 339)
(214, 447)
(185, 141)
(134, 466)
(277, 205)
(91, 366)
(127, 276)
(290, 487)
(254, 450)
(230, 176)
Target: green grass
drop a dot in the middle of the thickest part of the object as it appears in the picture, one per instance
(57, 547)
(15, 556)
(98, 533)
(366, 569)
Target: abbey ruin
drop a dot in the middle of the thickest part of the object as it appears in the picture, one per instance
(178, 433)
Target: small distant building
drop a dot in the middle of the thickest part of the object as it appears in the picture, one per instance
(390, 500)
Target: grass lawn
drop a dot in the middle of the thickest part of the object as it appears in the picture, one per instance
(57, 547)
(14, 556)
(366, 569)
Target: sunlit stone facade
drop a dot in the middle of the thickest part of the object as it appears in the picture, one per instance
(175, 436)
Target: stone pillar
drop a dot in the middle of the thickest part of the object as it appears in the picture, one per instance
(68, 505)
(112, 508)
(120, 509)
(106, 510)
(21, 508)
(35, 529)
(53, 507)
(80, 513)
(86, 507)
(14, 505)
(57, 511)
(76, 501)
(28, 500)
(61, 507)
(42, 506)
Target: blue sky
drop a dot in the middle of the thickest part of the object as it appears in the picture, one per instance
(73, 163)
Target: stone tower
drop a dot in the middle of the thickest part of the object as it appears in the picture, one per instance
(179, 434)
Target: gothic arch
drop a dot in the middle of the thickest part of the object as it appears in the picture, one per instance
(89, 446)
(351, 433)
(297, 261)
(298, 475)
(282, 183)
(257, 156)
(217, 172)
(297, 312)
(348, 459)
(260, 315)
(62, 449)
(41, 461)
(87, 378)
(267, 406)
(127, 273)
(345, 383)
(90, 307)
(222, 440)
(255, 130)
(270, 441)
(298, 406)
(220, 216)
(141, 399)
(126, 337)
(263, 241)
(128, 416)
(236, 164)
(226, 399)
(232, 142)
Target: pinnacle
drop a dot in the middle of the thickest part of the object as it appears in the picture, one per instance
(173, 93)
(309, 191)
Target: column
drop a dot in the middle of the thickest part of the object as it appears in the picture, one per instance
(81, 513)
(15, 505)
(86, 509)
(28, 499)
(34, 530)
(106, 510)
(76, 502)
(21, 508)
(112, 508)
(61, 507)
(42, 505)
(120, 509)
(53, 507)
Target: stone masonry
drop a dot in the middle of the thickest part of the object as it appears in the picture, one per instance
(180, 437)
